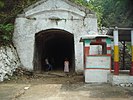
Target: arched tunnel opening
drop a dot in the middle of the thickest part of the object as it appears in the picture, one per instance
(55, 45)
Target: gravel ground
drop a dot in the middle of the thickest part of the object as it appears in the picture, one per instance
(58, 86)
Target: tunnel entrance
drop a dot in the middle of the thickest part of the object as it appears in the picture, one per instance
(55, 45)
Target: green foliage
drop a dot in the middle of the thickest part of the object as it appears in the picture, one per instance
(93, 5)
(109, 13)
(113, 12)
(8, 12)
(81, 2)
(6, 34)
(128, 46)
(1, 4)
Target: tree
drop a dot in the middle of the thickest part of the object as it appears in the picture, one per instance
(113, 12)
(8, 11)
(109, 13)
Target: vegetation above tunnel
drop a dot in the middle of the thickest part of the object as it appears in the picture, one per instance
(109, 12)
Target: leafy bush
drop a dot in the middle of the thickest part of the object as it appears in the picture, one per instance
(6, 31)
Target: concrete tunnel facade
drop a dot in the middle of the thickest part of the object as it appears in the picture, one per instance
(52, 28)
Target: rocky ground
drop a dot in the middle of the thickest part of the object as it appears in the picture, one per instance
(58, 86)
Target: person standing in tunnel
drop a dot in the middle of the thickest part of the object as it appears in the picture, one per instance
(66, 66)
(48, 64)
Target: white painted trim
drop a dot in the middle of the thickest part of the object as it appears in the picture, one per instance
(116, 38)
(132, 37)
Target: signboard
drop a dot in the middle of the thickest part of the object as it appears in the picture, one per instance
(98, 62)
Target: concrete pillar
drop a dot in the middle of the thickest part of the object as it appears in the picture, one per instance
(108, 47)
(86, 50)
(131, 70)
(116, 52)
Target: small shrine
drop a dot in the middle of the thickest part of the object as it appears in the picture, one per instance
(97, 66)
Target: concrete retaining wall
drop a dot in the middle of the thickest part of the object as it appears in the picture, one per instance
(95, 75)
(120, 80)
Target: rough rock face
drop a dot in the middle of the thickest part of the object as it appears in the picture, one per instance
(8, 61)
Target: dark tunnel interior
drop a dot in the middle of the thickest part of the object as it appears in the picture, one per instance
(55, 45)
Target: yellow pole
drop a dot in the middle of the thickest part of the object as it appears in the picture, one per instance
(116, 52)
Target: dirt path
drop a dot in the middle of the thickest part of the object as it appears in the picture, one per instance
(57, 86)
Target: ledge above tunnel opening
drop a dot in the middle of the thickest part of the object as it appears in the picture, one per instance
(55, 45)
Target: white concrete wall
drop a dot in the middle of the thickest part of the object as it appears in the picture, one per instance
(120, 79)
(64, 16)
(96, 75)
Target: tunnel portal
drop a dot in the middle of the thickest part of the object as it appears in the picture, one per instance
(55, 45)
